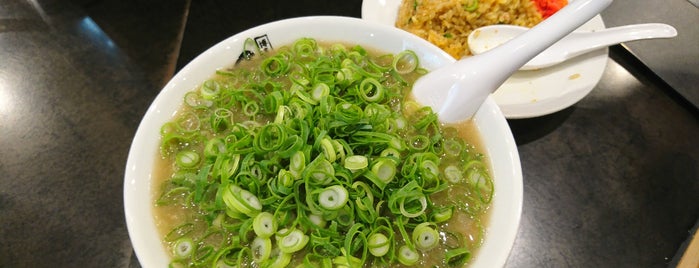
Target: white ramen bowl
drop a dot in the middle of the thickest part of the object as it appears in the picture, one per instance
(498, 142)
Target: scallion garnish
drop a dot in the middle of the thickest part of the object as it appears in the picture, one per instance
(183, 248)
(261, 249)
(425, 236)
(314, 154)
(264, 224)
(378, 244)
(408, 256)
(292, 241)
(187, 159)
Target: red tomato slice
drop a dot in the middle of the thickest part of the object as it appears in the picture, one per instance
(548, 7)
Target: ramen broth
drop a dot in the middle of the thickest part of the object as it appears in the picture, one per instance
(465, 228)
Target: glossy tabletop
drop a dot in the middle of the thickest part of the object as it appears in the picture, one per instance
(612, 181)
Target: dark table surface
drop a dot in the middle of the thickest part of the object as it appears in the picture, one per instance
(612, 181)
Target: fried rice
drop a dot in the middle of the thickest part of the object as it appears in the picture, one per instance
(447, 23)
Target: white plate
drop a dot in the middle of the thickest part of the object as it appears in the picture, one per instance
(528, 93)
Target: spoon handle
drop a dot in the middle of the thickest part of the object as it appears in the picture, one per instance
(589, 41)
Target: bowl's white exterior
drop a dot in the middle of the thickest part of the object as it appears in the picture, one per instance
(496, 135)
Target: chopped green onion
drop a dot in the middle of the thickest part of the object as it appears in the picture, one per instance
(179, 232)
(385, 169)
(202, 254)
(453, 147)
(226, 166)
(183, 248)
(297, 164)
(194, 100)
(472, 6)
(264, 225)
(280, 261)
(371, 90)
(292, 241)
(347, 262)
(273, 101)
(429, 169)
(214, 147)
(457, 257)
(210, 90)
(442, 214)
(333, 197)
(221, 120)
(261, 249)
(274, 66)
(320, 91)
(251, 108)
(328, 149)
(453, 174)
(320, 170)
(304, 96)
(419, 142)
(187, 159)
(405, 62)
(173, 196)
(425, 236)
(408, 201)
(317, 220)
(378, 244)
(239, 200)
(224, 259)
(407, 256)
(356, 162)
(391, 152)
(412, 214)
(305, 47)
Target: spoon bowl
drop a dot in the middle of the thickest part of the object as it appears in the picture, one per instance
(456, 91)
(573, 45)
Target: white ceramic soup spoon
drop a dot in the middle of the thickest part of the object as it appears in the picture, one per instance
(573, 45)
(457, 90)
